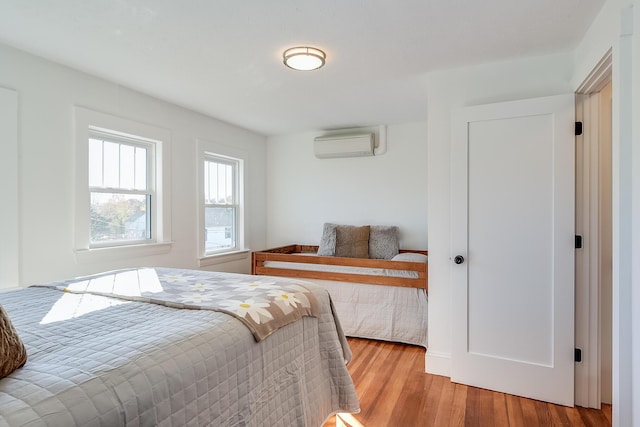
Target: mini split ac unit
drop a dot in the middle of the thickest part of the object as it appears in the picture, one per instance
(326, 147)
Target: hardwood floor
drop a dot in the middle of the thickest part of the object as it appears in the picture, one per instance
(394, 391)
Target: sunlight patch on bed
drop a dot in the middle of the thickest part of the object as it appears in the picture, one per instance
(82, 296)
(131, 283)
(69, 306)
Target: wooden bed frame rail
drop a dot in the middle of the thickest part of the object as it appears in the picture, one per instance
(287, 254)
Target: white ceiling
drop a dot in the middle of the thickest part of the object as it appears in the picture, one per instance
(224, 57)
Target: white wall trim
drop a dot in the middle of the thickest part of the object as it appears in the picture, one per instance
(599, 76)
(589, 259)
(633, 13)
(223, 258)
(438, 363)
(116, 253)
(588, 382)
(623, 226)
(9, 185)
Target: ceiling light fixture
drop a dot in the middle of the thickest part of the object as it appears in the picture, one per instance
(304, 58)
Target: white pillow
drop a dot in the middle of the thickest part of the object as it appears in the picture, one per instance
(410, 257)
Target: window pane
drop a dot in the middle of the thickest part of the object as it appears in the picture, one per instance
(207, 183)
(219, 183)
(212, 182)
(225, 183)
(111, 164)
(95, 162)
(117, 165)
(119, 217)
(127, 166)
(222, 181)
(219, 228)
(141, 169)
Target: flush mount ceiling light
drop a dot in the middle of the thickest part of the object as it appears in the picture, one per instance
(304, 58)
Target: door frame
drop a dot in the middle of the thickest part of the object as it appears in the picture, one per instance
(588, 336)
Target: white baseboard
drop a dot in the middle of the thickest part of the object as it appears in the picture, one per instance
(438, 363)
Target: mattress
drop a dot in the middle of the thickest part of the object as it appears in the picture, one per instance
(388, 313)
(97, 360)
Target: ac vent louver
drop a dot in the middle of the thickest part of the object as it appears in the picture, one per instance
(334, 146)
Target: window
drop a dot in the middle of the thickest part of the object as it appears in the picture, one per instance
(221, 204)
(221, 213)
(120, 187)
(123, 203)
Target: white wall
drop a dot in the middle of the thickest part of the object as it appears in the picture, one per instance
(631, 405)
(304, 192)
(450, 89)
(47, 93)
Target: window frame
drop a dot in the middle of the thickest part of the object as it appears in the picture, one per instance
(235, 205)
(225, 154)
(89, 122)
(150, 191)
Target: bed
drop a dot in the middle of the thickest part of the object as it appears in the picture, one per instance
(384, 299)
(152, 346)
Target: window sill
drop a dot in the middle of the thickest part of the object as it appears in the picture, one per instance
(222, 258)
(115, 253)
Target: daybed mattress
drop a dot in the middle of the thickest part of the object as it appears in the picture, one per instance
(388, 313)
(102, 361)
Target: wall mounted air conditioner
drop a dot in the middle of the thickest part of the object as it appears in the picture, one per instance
(332, 146)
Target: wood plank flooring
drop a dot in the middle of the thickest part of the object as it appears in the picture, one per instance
(394, 391)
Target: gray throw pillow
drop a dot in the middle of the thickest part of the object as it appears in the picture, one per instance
(328, 241)
(384, 241)
(352, 242)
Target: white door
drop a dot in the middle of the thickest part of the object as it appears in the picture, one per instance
(513, 247)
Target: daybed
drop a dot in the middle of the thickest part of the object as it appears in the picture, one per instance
(384, 299)
(171, 347)
(406, 272)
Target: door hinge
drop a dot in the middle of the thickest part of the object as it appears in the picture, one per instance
(578, 355)
(578, 241)
(578, 128)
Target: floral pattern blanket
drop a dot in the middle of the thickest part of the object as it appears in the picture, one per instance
(264, 304)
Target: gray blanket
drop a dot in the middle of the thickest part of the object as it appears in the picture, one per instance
(101, 361)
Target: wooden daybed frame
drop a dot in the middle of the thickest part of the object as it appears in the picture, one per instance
(287, 254)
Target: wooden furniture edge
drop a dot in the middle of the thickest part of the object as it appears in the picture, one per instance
(286, 254)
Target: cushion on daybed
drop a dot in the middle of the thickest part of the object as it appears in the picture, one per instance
(410, 257)
(384, 241)
(338, 240)
(13, 354)
(327, 245)
(352, 241)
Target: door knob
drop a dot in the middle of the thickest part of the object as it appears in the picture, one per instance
(459, 259)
